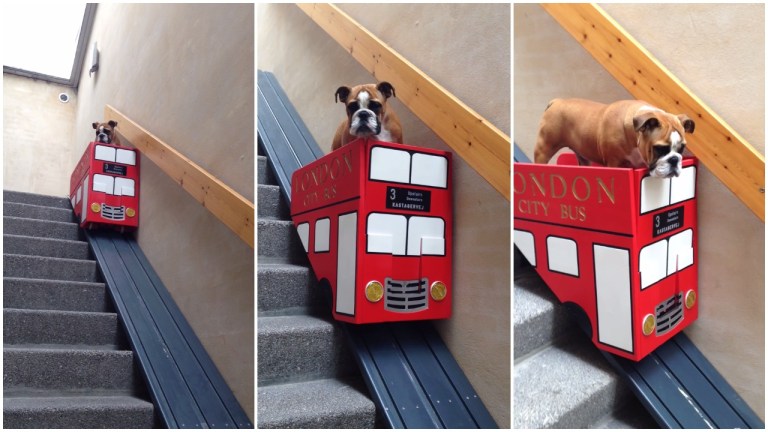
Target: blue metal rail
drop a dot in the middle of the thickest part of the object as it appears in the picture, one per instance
(186, 387)
(412, 377)
(677, 385)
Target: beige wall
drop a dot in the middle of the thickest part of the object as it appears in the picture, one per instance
(35, 125)
(465, 48)
(185, 73)
(718, 52)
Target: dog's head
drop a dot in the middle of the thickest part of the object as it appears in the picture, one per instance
(105, 132)
(661, 140)
(366, 106)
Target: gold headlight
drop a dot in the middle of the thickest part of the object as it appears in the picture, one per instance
(374, 291)
(649, 324)
(130, 212)
(438, 290)
(690, 299)
(95, 207)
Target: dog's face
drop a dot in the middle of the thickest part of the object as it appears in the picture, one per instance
(366, 105)
(105, 132)
(661, 140)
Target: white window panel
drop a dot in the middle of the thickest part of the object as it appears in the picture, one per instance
(653, 263)
(103, 183)
(680, 251)
(346, 266)
(124, 186)
(426, 236)
(386, 233)
(429, 170)
(613, 291)
(390, 165)
(104, 153)
(654, 193)
(127, 157)
(524, 242)
(684, 186)
(322, 235)
(303, 230)
(563, 255)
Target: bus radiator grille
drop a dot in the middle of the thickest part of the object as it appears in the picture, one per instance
(112, 213)
(669, 314)
(406, 296)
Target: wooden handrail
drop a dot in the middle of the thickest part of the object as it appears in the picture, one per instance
(228, 206)
(729, 156)
(483, 146)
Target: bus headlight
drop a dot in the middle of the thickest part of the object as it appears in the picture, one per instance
(438, 290)
(95, 207)
(690, 299)
(649, 324)
(374, 291)
(130, 212)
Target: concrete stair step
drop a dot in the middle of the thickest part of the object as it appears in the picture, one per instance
(67, 367)
(21, 293)
(33, 267)
(46, 410)
(26, 245)
(41, 228)
(31, 211)
(278, 239)
(36, 199)
(322, 404)
(284, 286)
(565, 386)
(271, 204)
(539, 318)
(27, 326)
(301, 347)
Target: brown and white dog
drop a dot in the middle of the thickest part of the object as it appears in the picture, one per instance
(628, 133)
(368, 114)
(105, 132)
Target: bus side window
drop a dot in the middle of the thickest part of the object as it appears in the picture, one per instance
(303, 230)
(680, 251)
(390, 165)
(524, 242)
(563, 255)
(684, 186)
(103, 183)
(104, 153)
(426, 236)
(654, 193)
(322, 235)
(386, 233)
(429, 170)
(653, 265)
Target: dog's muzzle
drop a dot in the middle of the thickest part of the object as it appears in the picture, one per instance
(103, 138)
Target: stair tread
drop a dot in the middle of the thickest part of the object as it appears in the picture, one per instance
(38, 199)
(327, 403)
(292, 323)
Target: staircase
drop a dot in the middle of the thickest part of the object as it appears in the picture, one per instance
(307, 378)
(561, 380)
(66, 363)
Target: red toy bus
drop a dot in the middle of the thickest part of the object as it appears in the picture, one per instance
(375, 219)
(616, 242)
(104, 187)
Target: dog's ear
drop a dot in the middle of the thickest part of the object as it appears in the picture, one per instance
(342, 93)
(645, 122)
(112, 123)
(386, 89)
(95, 125)
(688, 124)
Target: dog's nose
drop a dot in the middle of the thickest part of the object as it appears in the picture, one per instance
(364, 115)
(674, 160)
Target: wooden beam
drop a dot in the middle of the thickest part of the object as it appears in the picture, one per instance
(232, 209)
(484, 147)
(729, 156)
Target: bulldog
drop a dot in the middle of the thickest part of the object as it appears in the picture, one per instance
(105, 132)
(368, 114)
(629, 133)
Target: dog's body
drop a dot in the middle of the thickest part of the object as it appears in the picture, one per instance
(368, 114)
(628, 133)
(105, 132)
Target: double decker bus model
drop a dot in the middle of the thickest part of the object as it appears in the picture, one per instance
(616, 242)
(104, 187)
(375, 219)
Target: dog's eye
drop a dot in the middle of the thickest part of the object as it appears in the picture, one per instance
(354, 106)
(660, 150)
(374, 106)
(682, 148)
